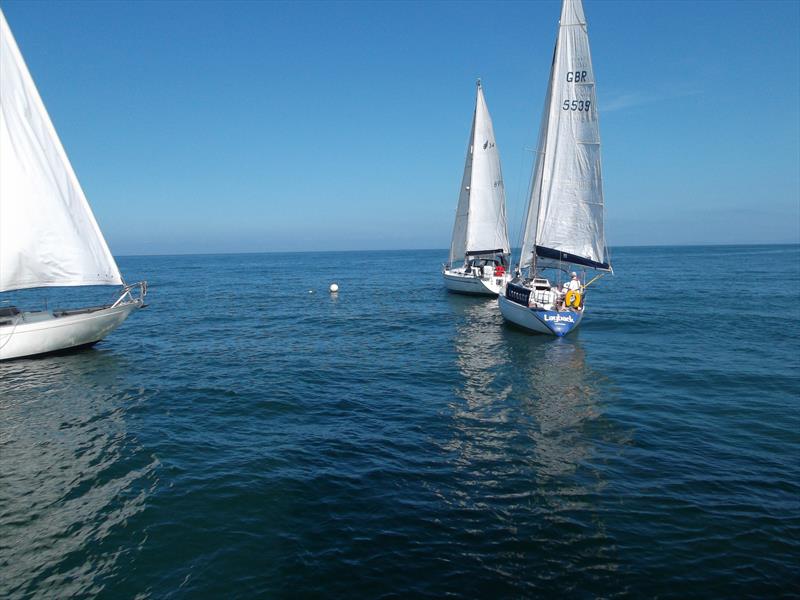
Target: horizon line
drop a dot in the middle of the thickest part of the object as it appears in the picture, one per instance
(249, 252)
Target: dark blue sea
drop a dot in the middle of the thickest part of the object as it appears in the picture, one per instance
(250, 435)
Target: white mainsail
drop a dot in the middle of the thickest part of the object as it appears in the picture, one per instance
(480, 224)
(48, 234)
(565, 210)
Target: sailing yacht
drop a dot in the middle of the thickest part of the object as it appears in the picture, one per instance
(48, 234)
(563, 228)
(479, 251)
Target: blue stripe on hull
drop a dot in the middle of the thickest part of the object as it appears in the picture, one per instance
(560, 323)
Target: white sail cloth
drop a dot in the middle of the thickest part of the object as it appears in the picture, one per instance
(481, 223)
(565, 211)
(48, 234)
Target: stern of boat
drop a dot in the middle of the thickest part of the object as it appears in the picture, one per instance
(559, 323)
(466, 283)
(514, 308)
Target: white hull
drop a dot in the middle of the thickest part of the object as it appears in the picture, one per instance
(560, 323)
(457, 281)
(519, 315)
(31, 333)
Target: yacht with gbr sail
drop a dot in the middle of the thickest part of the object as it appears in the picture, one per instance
(563, 228)
(479, 251)
(48, 234)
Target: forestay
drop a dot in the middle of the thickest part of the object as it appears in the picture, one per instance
(565, 211)
(48, 234)
(481, 215)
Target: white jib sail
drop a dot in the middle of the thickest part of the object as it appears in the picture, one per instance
(565, 211)
(481, 223)
(48, 234)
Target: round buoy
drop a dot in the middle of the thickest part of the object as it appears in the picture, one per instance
(334, 288)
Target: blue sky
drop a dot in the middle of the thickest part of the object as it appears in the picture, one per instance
(227, 127)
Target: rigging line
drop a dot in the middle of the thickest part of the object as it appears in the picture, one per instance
(523, 221)
(608, 252)
(13, 330)
(519, 184)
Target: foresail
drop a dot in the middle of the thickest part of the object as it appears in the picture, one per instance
(458, 245)
(488, 228)
(565, 215)
(48, 234)
(532, 215)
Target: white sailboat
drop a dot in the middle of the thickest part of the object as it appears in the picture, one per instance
(564, 220)
(479, 251)
(48, 234)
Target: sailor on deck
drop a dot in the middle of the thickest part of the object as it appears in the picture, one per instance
(573, 284)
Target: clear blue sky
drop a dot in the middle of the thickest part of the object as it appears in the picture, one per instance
(216, 127)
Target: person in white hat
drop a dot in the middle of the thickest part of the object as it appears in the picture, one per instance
(573, 284)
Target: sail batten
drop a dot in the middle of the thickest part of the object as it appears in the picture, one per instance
(48, 234)
(566, 207)
(481, 222)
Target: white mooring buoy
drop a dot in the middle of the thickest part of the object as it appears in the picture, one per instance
(334, 288)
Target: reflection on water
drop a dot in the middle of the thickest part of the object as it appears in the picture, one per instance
(482, 434)
(72, 475)
(524, 434)
(544, 385)
(480, 354)
(559, 391)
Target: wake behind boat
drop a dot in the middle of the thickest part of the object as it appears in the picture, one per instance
(48, 234)
(479, 251)
(564, 221)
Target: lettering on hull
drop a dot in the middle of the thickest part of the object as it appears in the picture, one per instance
(559, 323)
(559, 318)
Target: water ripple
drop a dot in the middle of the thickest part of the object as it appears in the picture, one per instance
(243, 437)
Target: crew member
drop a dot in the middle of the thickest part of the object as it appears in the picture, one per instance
(573, 284)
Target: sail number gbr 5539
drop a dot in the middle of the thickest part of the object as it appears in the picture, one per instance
(579, 105)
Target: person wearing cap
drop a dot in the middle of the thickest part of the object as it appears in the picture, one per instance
(573, 284)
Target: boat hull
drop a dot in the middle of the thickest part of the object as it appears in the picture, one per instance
(32, 334)
(469, 284)
(549, 322)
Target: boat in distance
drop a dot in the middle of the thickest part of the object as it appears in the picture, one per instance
(479, 251)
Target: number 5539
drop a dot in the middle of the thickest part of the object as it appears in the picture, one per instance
(579, 105)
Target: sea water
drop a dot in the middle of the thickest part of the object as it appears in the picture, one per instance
(249, 433)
